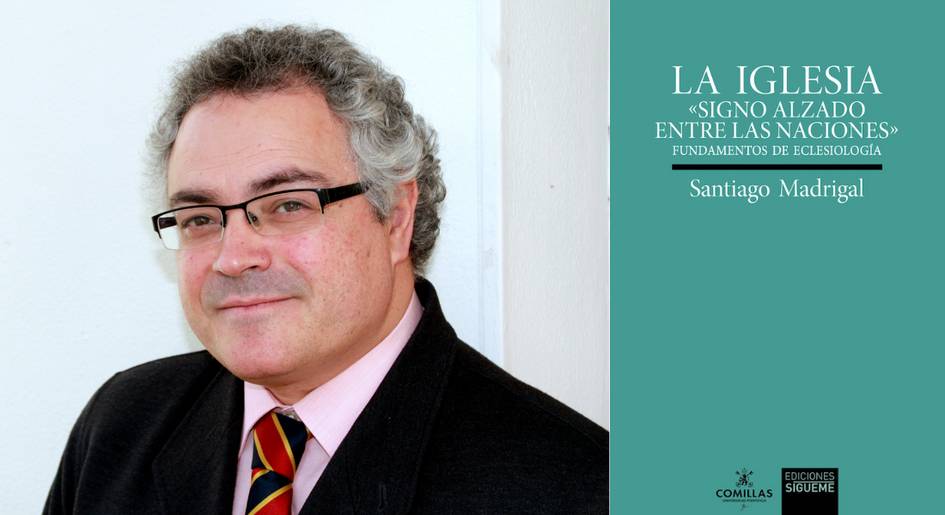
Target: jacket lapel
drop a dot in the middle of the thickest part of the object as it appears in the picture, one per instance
(196, 470)
(375, 468)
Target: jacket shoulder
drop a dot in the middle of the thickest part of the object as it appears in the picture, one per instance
(149, 395)
(174, 372)
(494, 433)
(478, 379)
(120, 431)
(158, 391)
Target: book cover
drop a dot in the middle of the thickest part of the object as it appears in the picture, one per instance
(778, 258)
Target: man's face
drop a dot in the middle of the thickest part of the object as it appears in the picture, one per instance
(279, 310)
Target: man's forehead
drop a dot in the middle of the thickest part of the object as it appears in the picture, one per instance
(230, 147)
(202, 189)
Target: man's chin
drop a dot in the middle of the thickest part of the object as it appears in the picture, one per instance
(254, 363)
(268, 376)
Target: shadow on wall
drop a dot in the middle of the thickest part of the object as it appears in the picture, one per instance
(166, 262)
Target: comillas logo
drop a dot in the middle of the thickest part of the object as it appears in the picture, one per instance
(744, 492)
(729, 493)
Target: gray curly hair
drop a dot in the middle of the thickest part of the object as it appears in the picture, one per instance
(391, 144)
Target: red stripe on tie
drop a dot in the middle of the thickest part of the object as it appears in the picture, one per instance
(273, 448)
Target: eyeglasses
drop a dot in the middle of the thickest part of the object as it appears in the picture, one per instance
(273, 214)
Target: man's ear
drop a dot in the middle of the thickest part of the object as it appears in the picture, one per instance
(400, 221)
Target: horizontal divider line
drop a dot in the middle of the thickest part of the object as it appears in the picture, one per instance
(778, 166)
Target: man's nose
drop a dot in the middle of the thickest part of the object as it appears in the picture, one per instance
(242, 248)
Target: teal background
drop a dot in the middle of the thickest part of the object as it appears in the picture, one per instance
(795, 333)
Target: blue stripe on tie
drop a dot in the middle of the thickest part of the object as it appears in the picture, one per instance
(263, 487)
(295, 433)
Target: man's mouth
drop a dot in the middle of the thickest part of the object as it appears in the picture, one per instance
(248, 305)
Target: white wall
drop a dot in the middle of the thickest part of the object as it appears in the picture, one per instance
(555, 238)
(86, 291)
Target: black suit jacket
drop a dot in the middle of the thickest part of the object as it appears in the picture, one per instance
(446, 432)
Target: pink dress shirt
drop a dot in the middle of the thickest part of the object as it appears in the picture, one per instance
(327, 411)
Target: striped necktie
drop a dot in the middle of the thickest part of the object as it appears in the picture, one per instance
(278, 443)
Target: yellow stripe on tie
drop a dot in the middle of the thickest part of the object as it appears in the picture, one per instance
(259, 473)
(262, 504)
(262, 456)
(285, 441)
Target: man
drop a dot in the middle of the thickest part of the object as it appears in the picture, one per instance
(302, 196)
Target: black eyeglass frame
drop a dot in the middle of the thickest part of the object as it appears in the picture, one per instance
(326, 196)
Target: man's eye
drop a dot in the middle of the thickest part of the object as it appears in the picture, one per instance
(290, 206)
(197, 221)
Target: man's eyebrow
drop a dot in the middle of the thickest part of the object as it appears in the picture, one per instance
(286, 176)
(194, 196)
(277, 178)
